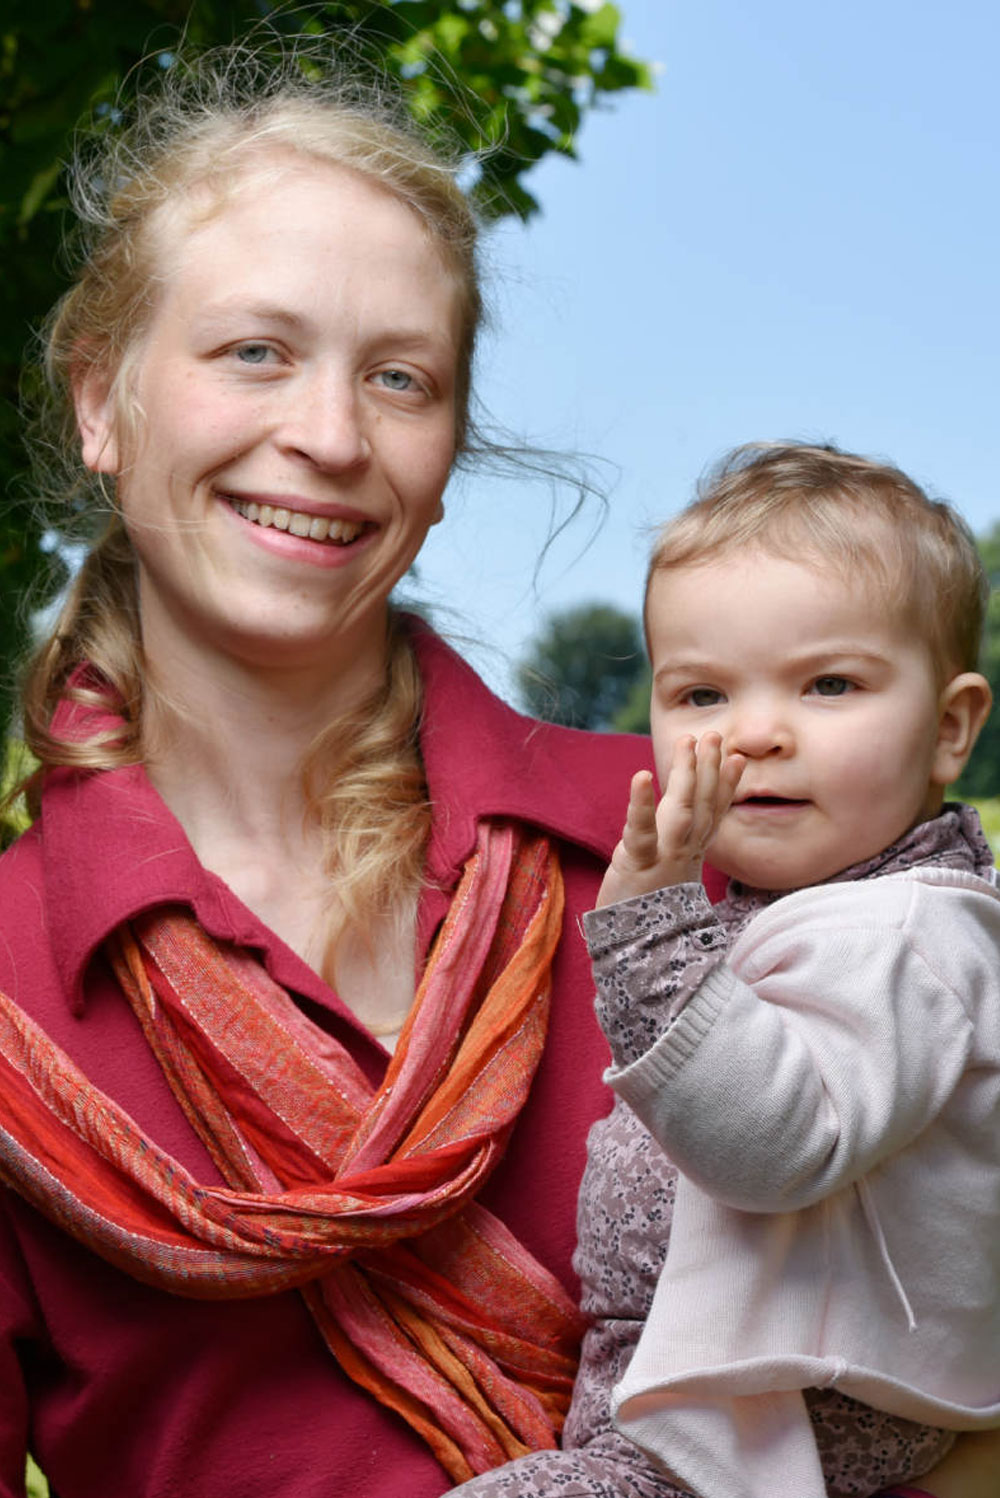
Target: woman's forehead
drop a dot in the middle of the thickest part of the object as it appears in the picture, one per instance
(275, 193)
(227, 184)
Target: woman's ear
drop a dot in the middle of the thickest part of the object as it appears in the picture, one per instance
(95, 418)
(964, 706)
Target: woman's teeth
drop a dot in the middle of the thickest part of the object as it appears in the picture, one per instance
(297, 523)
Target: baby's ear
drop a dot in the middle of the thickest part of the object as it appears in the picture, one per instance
(95, 418)
(963, 708)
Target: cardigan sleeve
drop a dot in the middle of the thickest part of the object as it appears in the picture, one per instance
(828, 1041)
(648, 955)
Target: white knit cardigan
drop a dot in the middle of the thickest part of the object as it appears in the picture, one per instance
(831, 1095)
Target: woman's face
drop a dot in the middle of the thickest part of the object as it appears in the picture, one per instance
(296, 399)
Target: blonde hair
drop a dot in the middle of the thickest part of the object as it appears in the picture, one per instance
(210, 121)
(864, 519)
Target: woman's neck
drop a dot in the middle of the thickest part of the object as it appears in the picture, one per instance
(225, 742)
(225, 749)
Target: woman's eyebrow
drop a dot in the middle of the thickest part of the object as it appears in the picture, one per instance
(272, 312)
(412, 335)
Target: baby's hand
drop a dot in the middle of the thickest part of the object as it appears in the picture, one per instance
(666, 844)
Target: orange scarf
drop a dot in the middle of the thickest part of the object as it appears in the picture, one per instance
(361, 1197)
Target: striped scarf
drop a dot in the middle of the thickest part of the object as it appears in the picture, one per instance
(362, 1197)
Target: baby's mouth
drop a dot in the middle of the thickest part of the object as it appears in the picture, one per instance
(299, 523)
(771, 801)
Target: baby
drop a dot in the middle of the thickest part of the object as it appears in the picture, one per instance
(828, 1093)
(819, 1054)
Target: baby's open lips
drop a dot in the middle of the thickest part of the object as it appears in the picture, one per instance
(766, 798)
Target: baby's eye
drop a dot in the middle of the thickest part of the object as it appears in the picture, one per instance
(702, 697)
(831, 686)
(253, 353)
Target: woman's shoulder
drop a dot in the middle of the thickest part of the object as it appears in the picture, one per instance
(576, 782)
(454, 690)
(590, 751)
(484, 757)
(21, 874)
(24, 920)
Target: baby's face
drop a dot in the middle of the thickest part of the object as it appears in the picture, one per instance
(831, 700)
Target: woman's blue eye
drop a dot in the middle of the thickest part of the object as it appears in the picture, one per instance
(831, 686)
(252, 353)
(396, 379)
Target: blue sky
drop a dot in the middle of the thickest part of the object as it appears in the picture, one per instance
(795, 236)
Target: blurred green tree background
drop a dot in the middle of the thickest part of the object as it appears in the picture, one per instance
(982, 774)
(581, 667)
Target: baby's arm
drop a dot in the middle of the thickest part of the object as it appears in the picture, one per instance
(665, 844)
(782, 1079)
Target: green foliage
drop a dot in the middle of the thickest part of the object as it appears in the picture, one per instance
(582, 666)
(982, 774)
(511, 78)
(633, 715)
(37, 1487)
(15, 764)
(989, 815)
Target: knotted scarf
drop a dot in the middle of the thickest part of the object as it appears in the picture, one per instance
(362, 1197)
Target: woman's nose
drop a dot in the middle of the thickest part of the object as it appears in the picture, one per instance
(325, 422)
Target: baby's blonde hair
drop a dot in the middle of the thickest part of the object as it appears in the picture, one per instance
(866, 520)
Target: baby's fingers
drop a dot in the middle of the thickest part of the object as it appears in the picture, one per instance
(710, 783)
(708, 764)
(633, 869)
(677, 814)
(639, 833)
(730, 776)
(688, 812)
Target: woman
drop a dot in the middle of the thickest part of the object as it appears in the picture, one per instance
(244, 1251)
(251, 762)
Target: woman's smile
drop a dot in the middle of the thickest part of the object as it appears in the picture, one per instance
(288, 518)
